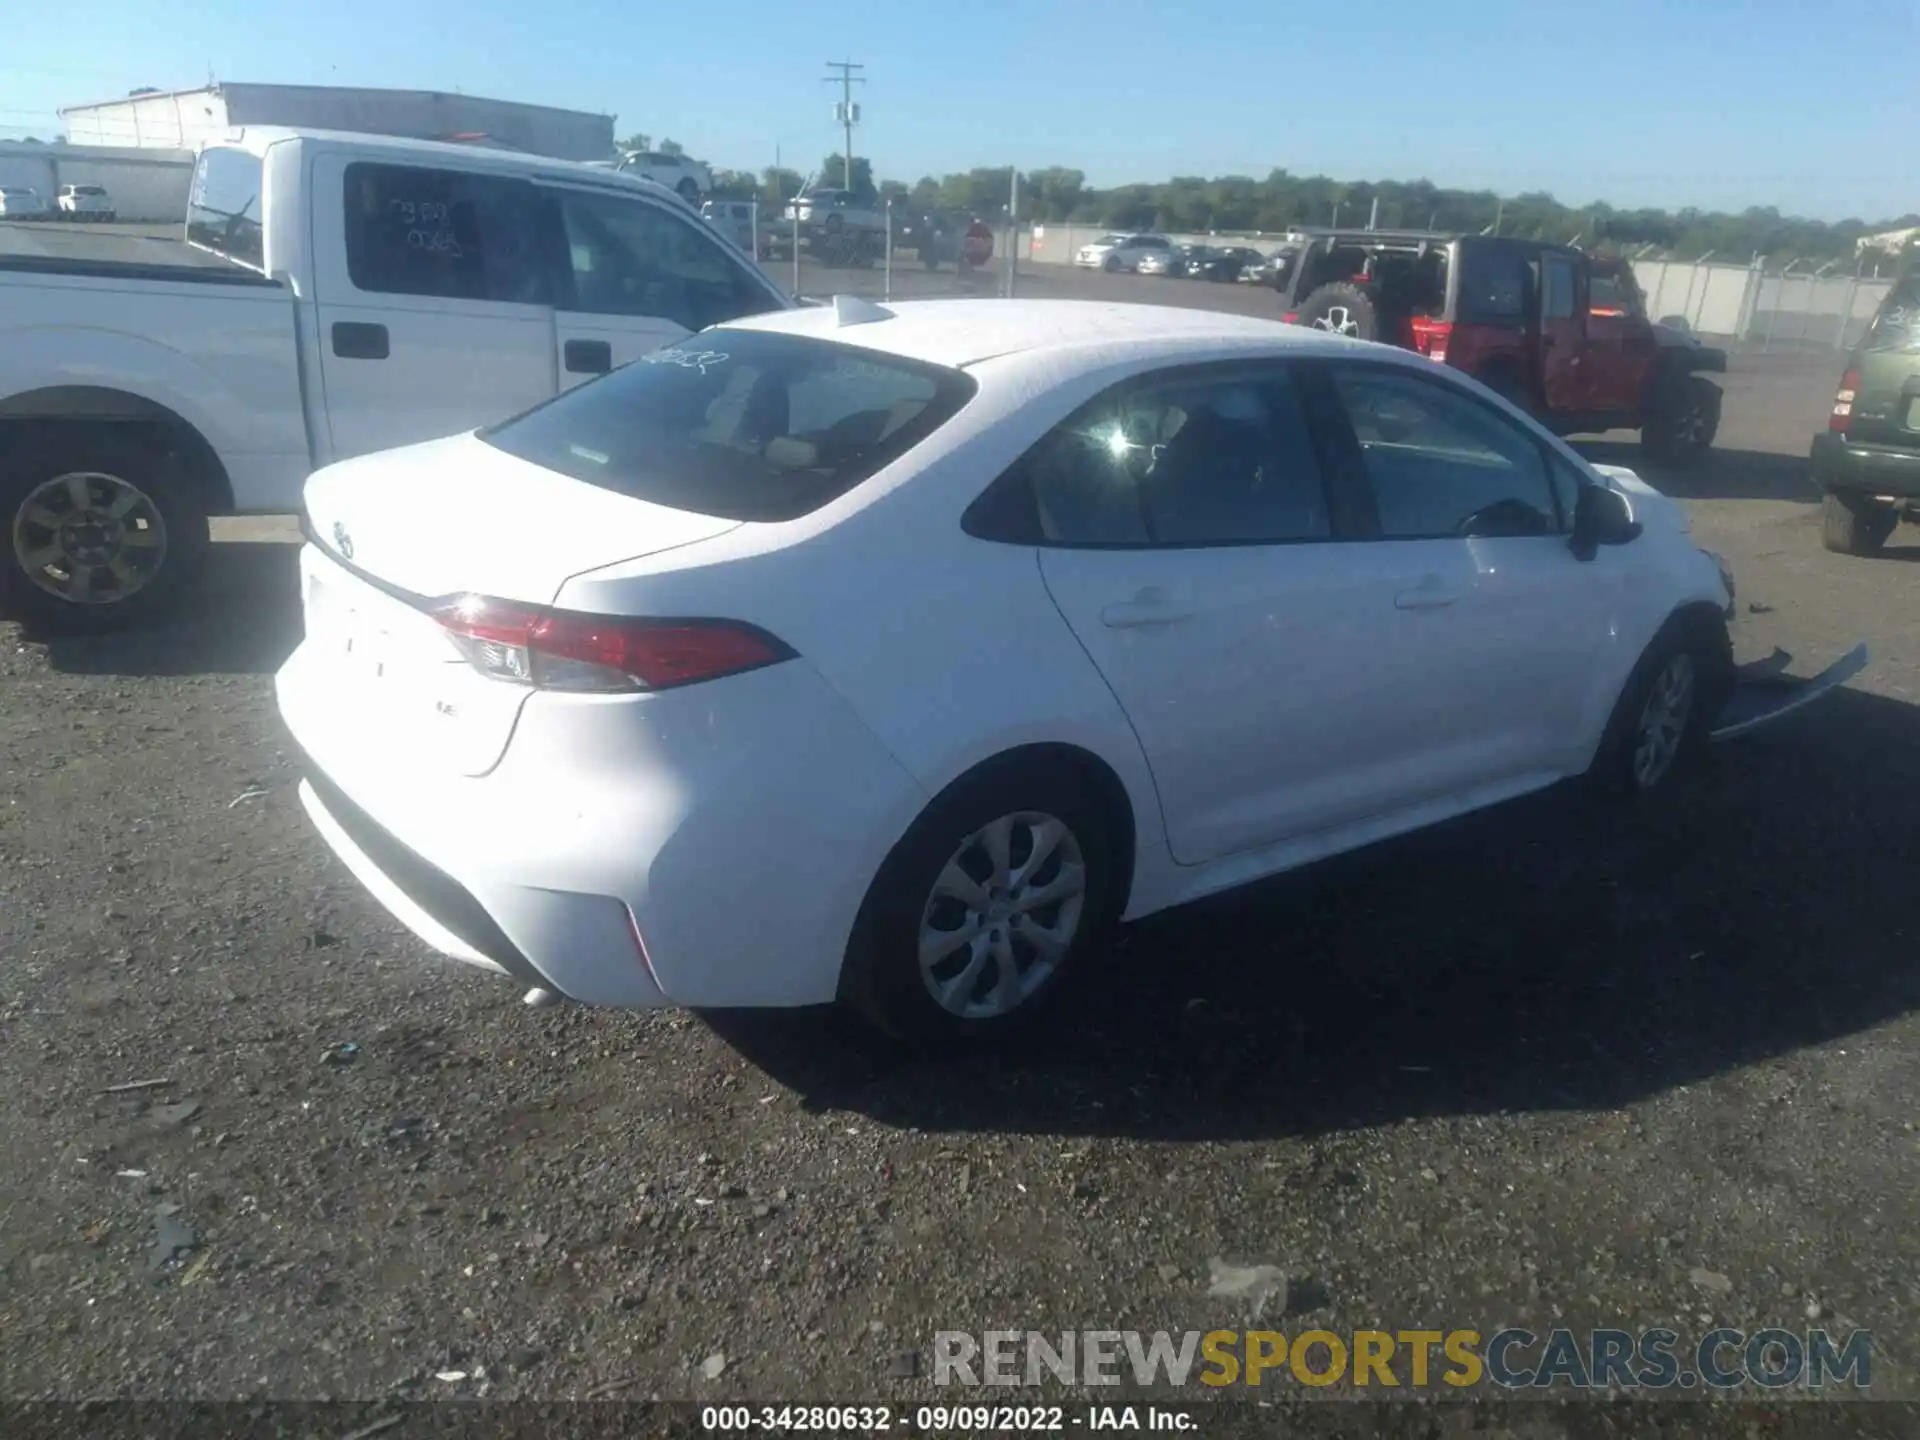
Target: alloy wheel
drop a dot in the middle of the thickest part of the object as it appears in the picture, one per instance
(89, 538)
(1663, 721)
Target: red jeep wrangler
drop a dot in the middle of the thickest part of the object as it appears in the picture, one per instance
(1560, 333)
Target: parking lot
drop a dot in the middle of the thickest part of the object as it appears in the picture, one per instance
(1543, 1067)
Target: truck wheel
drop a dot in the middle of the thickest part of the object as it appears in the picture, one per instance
(101, 531)
(1855, 525)
(689, 192)
(1342, 309)
(1682, 421)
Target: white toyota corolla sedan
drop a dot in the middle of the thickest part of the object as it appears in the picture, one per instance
(894, 655)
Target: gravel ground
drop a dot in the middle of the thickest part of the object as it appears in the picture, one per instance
(1540, 1067)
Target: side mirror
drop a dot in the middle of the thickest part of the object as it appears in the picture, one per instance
(1600, 517)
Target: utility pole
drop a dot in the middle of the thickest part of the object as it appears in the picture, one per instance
(846, 112)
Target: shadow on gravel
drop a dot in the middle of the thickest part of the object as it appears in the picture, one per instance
(1726, 474)
(244, 621)
(1551, 955)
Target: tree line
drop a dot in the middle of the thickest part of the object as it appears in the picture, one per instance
(1241, 204)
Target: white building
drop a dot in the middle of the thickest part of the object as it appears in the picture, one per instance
(184, 119)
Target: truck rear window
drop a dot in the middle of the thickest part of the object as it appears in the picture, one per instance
(223, 208)
(740, 424)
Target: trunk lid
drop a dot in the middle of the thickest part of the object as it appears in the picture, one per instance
(397, 529)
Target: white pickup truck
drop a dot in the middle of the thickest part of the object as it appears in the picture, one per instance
(334, 294)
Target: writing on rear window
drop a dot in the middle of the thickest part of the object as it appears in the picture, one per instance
(701, 360)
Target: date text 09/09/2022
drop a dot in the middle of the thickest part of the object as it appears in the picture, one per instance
(940, 1419)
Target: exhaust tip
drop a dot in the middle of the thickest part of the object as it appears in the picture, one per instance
(539, 998)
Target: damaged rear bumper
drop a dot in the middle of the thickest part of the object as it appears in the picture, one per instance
(1761, 695)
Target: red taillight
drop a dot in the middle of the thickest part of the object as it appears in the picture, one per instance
(1292, 317)
(1430, 338)
(565, 650)
(1843, 402)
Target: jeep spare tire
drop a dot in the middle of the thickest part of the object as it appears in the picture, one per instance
(1342, 309)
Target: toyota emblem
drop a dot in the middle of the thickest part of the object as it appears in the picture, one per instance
(342, 541)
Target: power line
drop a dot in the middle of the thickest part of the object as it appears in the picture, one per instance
(848, 112)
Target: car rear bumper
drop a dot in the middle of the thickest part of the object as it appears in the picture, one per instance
(639, 851)
(1864, 469)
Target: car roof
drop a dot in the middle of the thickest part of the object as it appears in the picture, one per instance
(258, 138)
(958, 333)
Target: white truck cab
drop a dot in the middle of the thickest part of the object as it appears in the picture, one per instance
(336, 294)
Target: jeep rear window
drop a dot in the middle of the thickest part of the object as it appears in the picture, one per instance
(740, 424)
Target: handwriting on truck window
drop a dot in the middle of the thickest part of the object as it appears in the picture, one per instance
(429, 226)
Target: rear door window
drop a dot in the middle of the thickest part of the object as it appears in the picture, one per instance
(1495, 282)
(742, 424)
(450, 234)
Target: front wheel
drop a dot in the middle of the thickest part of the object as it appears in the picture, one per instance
(101, 531)
(1682, 422)
(1662, 724)
(1001, 892)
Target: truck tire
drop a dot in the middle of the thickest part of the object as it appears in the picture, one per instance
(101, 529)
(1343, 309)
(1855, 525)
(1682, 418)
(689, 192)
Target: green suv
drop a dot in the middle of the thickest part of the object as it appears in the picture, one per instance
(1867, 461)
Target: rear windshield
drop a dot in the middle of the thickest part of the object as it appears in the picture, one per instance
(1897, 325)
(741, 424)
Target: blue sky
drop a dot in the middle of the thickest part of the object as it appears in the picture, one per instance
(1715, 103)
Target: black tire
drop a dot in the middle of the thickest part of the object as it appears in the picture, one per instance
(1855, 525)
(882, 976)
(1111, 265)
(1701, 636)
(1683, 417)
(689, 192)
(1343, 309)
(130, 458)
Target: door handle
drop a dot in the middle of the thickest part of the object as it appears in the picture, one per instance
(588, 357)
(1428, 595)
(357, 340)
(1149, 607)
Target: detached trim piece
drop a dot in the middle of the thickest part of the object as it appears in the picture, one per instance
(1758, 701)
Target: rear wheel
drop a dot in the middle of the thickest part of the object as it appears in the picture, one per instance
(986, 910)
(1342, 309)
(101, 530)
(1855, 525)
(689, 192)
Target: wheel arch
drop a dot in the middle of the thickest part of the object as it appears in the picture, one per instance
(1099, 777)
(39, 416)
